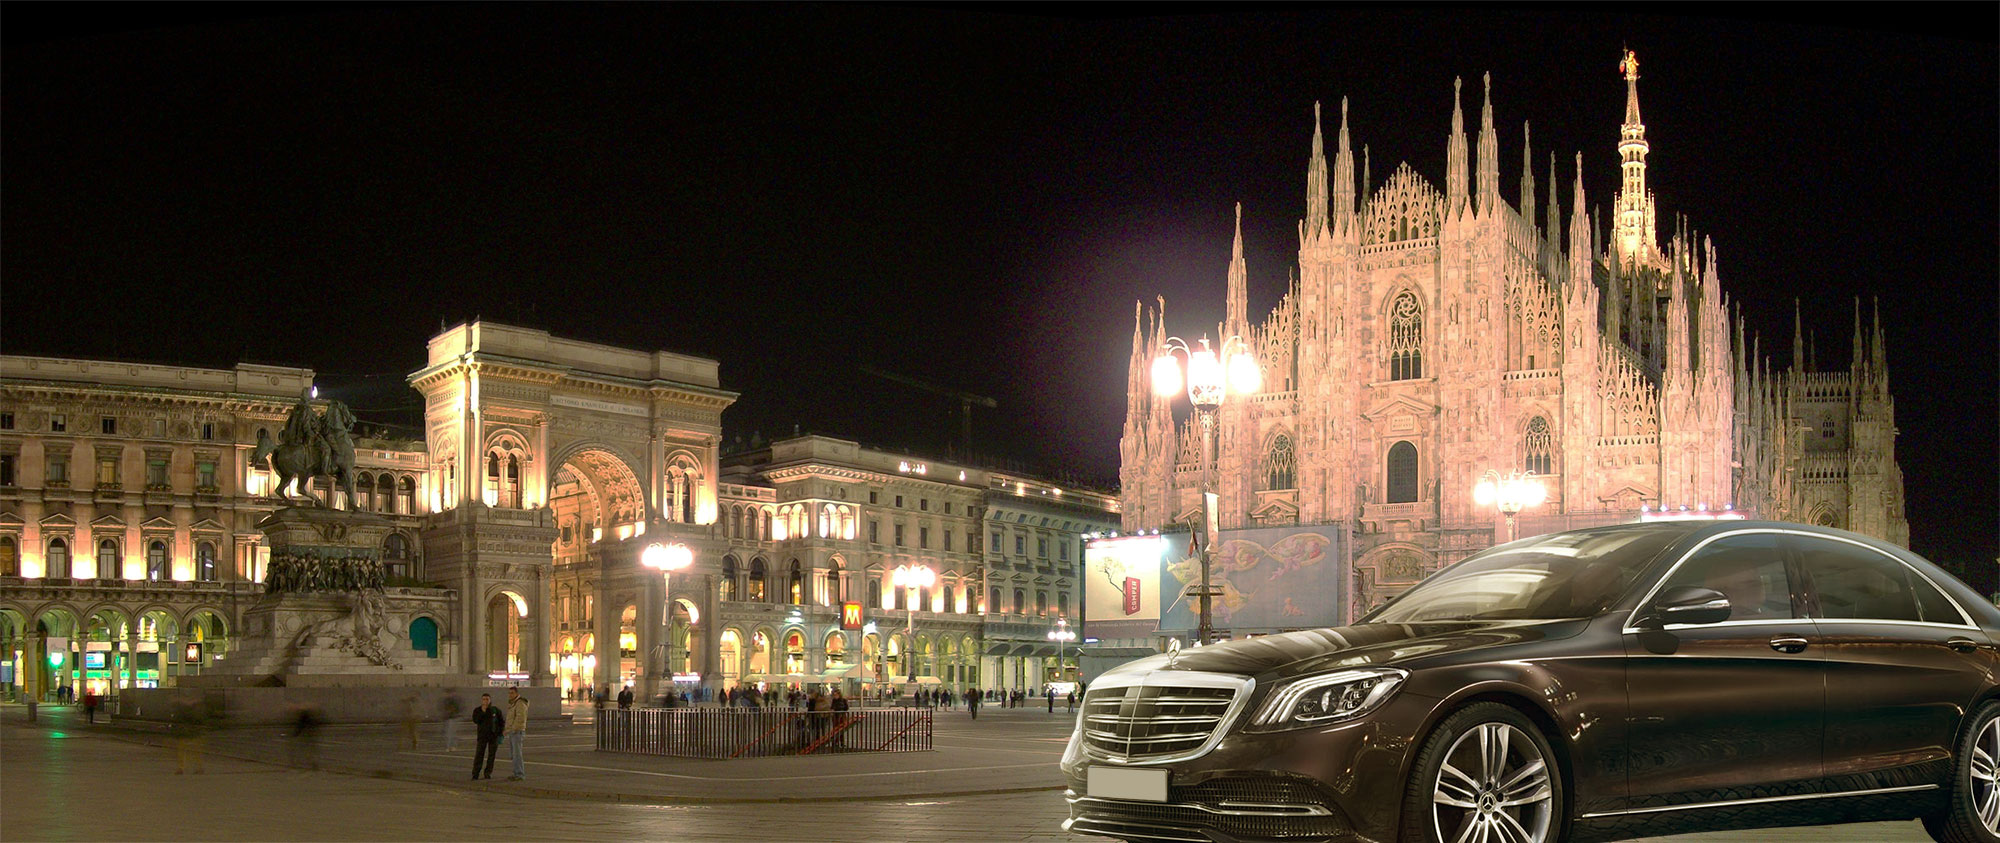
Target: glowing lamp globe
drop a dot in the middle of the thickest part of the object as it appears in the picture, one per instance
(1244, 376)
(1483, 493)
(1166, 376)
(1205, 377)
(1536, 492)
(666, 557)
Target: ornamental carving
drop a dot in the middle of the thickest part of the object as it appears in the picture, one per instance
(1406, 208)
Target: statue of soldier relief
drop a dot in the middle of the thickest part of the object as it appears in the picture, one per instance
(311, 445)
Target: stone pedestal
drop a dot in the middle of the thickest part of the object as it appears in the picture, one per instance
(325, 619)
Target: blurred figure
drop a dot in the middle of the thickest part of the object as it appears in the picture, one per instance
(190, 727)
(305, 739)
(410, 719)
(90, 705)
(448, 711)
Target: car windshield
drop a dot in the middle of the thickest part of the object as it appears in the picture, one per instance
(1564, 575)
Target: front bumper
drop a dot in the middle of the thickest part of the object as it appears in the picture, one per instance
(1338, 783)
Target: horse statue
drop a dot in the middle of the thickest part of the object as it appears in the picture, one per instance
(311, 446)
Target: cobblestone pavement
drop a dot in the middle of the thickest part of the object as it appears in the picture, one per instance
(62, 780)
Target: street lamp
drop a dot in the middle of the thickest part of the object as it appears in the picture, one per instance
(1209, 381)
(667, 558)
(906, 577)
(1509, 493)
(1062, 636)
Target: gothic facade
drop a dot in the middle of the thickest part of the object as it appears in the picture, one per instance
(1431, 336)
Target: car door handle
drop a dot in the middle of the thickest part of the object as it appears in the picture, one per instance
(1788, 644)
(1963, 645)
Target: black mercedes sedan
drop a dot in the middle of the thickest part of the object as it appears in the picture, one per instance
(1640, 679)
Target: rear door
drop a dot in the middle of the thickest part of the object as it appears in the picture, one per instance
(1903, 663)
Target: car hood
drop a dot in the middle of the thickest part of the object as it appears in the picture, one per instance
(1309, 651)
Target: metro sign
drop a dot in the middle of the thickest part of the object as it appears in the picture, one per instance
(850, 616)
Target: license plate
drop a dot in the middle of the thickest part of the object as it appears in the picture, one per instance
(1145, 785)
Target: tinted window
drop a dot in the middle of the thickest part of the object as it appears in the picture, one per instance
(1856, 582)
(1566, 575)
(1749, 568)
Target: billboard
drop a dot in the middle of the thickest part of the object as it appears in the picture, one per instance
(1271, 579)
(1121, 584)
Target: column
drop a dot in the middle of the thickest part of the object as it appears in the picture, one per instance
(710, 632)
(538, 636)
(132, 655)
(472, 637)
(651, 670)
(604, 625)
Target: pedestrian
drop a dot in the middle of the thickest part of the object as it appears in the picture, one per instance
(448, 711)
(601, 697)
(190, 721)
(90, 705)
(487, 725)
(972, 705)
(624, 697)
(1072, 700)
(1052, 699)
(517, 730)
(838, 705)
(410, 719)
(305, 739)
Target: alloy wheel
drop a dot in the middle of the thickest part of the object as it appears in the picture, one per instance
(1493, 787)
(1985, 790)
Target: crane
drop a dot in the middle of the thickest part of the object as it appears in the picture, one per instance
(965, 399)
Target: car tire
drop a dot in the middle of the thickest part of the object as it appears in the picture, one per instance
(1975, 783)
(1456, 784)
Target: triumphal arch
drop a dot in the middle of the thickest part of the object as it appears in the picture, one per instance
(556, 463)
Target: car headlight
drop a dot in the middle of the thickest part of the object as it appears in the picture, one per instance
(1317, 700)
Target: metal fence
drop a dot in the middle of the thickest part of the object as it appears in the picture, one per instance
(744, 733)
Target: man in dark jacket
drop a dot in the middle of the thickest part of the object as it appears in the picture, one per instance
(488, 723)
(625, 697)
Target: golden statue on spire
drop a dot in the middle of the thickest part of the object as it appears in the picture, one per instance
(1630, 66)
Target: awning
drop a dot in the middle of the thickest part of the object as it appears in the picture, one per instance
(927, 680)
(1024, 650)
(998, 649)
(843, 672)
(780, 677)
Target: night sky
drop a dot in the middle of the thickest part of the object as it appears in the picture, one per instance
(966, 197)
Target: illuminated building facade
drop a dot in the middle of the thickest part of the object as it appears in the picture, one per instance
(1431, 336)
(129, 510)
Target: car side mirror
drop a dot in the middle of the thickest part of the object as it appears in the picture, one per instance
(1690, 604)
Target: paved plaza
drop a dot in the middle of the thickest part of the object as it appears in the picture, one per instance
(994, 779)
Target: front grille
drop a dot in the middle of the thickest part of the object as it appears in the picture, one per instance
(1152, 721)
(1239, 807)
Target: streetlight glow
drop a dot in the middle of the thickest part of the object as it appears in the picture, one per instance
(1209, 381)
(667, 558)
(1509, 493)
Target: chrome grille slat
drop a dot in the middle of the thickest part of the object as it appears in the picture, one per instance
(1148, 721)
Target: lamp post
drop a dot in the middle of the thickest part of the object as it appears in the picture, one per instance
(667, 558)
(1062, 636)
(906, 577)
(1208, 383)
(1509, 493)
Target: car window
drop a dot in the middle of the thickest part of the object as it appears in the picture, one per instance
(1859, 583)
(1564, 575)
(1748, 568)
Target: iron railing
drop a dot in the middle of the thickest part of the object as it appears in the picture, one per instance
(722, 733)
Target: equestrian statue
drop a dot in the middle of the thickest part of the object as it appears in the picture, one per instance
(310, 446)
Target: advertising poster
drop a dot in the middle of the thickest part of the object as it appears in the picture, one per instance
(1121, 584)
(1271, 579)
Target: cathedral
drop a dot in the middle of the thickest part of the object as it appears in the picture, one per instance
(1429, 337)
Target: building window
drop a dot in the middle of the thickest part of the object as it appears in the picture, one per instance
(996, 542)
(1281, 464)
(156, 562)
(795, 585)
(204, 474)
(1020, 602)
(1020, 545)
(10, 557)
(107, 425)
(396, 555)
(1042, 547)
(947, 507)
(156, 473)
(899, 535)
(58, 559)
(947, 538)
(6, 421)
(874, 496)
(1406, 338)
(1402, 471)
(107, 560)
(1062, 604)
(58, 423)
(107, 472)
(924, 504)
(874, 532)
(6, 469)
(1041, 603)
(59, 470)
(1826, 428)
(159, 428)
(756, 591)
(833, 584)
(729, 578)
(924, 537)
(875, 594)
(204, 562)
(902, 596)
(993, 600)
(1540, 446)
(207, 431)
(1062, 550)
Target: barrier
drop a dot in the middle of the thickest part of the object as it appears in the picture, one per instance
(722, 733)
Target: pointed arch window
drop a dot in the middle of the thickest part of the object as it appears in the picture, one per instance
(1281, 464)
(729, 587)
(1402, 473)
(832, 593)
(1406, 338)
(1539, 446)
(756, 591)
(795, 585)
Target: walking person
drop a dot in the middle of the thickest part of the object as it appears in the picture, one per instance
(517, 730)
(1072, 701)
(487, 724)
(90, 705)
(1052, 699)
(972, 705)
(448, 711)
